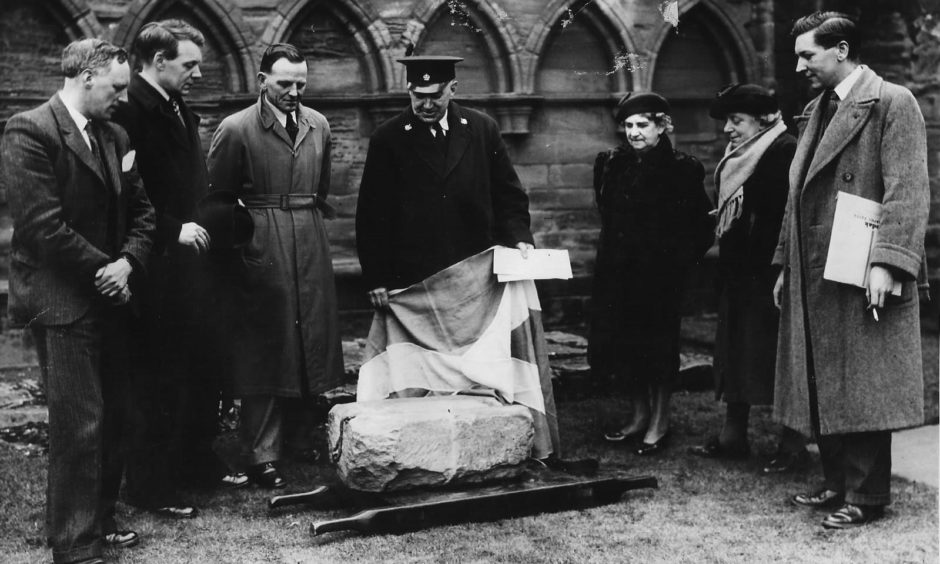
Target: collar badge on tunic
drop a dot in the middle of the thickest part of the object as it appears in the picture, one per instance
(463, 121)
(407, 127)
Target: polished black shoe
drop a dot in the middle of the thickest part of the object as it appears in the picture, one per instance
(266, 476)
(646, 449)
(850, 516)
(121, 539)
(234, 481)
(822, 499)
(786, 462)
(714, 449)
(176, 511)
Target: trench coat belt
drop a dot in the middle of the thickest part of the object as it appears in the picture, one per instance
(289, 202)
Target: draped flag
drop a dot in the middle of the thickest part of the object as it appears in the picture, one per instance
(462, 331)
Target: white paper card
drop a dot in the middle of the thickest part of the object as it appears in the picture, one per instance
(128, 161)
(854, 227)
(542, 264)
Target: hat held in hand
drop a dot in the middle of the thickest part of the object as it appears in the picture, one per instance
(226, 219)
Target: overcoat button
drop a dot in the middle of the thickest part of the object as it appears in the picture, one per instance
(847, 177)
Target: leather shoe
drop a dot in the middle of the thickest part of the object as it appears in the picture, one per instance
(176, 511)
(646, 449)
(850, 516)
(822, 499)
(233, 481)
(266, 476)
(714, 449)
(121, 539)
(786, 462)
(619, 436)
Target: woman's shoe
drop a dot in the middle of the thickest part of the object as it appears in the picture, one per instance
(646, 449)
(714, 449)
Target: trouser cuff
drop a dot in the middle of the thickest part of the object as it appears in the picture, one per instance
(856, 498)
(93, 550)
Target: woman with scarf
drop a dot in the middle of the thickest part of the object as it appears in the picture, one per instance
(752, 183)
(655, 224)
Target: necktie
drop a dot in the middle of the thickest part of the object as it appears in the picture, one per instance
(832, 105)
(291, 127)
(176, 110)
(95, 147)
(440, 138)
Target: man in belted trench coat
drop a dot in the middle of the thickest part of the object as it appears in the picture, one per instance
(284, 340)
(849, 361)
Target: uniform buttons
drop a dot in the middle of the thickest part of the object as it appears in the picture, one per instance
(847, 177)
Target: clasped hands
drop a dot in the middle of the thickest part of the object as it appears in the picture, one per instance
(111, 280)
(379, 296)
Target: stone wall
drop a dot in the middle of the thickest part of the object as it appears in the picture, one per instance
(550, 71)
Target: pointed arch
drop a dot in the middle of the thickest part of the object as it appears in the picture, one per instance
(483, 20)
(225, 31)
(603, 19)
(361, 23)
(34, 34)
(740, 57)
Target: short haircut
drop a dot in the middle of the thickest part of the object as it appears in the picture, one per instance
(279, 51)
(164, 35)
(829, 29)
(90, 54)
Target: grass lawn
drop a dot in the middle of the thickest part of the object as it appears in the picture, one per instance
(704, 511)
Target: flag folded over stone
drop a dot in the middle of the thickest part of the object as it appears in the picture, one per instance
(462, 331)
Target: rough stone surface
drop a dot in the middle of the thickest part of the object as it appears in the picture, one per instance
(410, 442)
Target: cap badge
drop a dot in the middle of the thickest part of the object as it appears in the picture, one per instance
(426, 77)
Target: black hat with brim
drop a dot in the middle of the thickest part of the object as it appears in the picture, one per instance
(228, 222)
(425, 70)
(640, 103)
(743, 98)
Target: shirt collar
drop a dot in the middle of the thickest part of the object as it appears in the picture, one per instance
(443, 122)
(156, 86)
(843, 88)
(278, 114)
(80, 120)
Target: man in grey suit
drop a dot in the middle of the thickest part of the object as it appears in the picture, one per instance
(82, 226)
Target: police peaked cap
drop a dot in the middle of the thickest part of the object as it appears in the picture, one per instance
(743, 98)
(428, 69)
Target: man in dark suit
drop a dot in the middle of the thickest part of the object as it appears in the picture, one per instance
(175, 382)
(82, 224)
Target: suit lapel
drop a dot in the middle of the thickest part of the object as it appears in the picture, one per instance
(852, 115)
(459, 138)
(418, 135)
(157, 104)
(73, 137)
(304, 125)
(269, 121)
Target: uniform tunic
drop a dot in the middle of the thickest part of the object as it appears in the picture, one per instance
(283, 317)
(421, 211)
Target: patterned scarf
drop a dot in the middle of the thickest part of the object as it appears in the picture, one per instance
(735, 168)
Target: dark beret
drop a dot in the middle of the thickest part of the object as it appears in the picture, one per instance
(640, 103)
(744, 98)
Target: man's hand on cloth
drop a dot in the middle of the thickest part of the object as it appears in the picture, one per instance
(111, 279)
(193, 235)
(379, 298)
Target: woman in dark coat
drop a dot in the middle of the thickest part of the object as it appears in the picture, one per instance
(752, 181)
(654, 225)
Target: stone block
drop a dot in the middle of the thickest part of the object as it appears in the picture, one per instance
(533, 176)
(425, 442)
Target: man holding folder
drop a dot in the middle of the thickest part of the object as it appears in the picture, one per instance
(849, 362)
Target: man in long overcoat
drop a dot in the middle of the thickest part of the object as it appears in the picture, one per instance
(438, 187)
(81, 225)
(175, 381)
(849, 360)
(275, 155)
